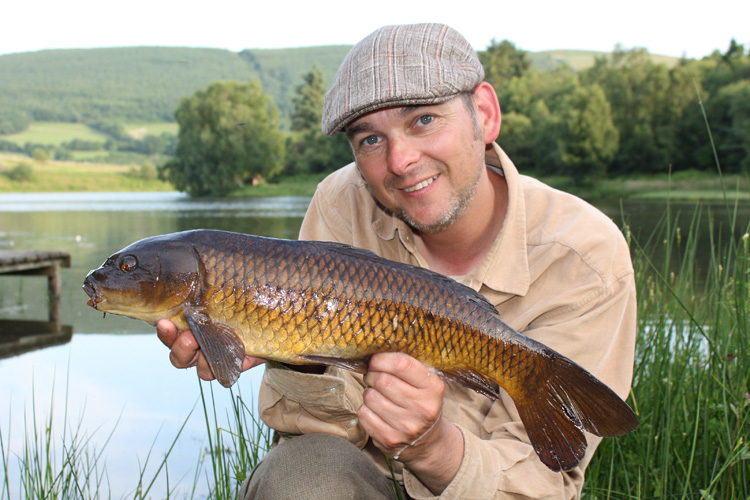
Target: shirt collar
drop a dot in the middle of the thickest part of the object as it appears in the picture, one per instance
(505, 268)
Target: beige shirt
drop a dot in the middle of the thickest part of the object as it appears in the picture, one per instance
(559, 272)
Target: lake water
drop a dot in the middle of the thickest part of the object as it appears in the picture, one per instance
(114, 375)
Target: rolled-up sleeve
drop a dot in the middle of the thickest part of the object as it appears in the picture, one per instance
(300, 403)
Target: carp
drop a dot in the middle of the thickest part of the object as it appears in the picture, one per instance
(311, 302)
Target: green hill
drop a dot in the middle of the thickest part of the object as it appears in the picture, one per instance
(140, 83)
(580, 59)
(145, 84)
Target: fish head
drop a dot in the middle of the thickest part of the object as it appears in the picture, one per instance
(149, 280)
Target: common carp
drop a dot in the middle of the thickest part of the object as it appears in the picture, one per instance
(309, 302)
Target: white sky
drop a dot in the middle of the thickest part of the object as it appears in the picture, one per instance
(668, 27)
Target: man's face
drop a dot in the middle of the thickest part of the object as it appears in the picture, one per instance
(421, 162)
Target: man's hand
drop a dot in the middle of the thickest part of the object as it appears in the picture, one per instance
(185, 351)
(402, 413)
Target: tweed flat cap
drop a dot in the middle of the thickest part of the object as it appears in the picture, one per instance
(413, 64)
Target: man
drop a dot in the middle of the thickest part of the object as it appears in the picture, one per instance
(430, 187)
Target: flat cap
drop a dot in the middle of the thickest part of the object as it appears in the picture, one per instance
(414, 64)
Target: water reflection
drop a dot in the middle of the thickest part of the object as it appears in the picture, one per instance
(19, 337)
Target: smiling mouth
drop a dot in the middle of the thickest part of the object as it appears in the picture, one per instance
(421, 185)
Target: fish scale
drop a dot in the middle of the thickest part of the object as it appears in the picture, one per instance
(303, 302)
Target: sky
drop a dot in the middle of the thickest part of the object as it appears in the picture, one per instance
(667, 27)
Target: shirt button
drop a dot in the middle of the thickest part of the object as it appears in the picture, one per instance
(353, 422)
(332, 389)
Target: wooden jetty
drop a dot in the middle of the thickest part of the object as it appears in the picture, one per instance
(20, 336)
(38, 262)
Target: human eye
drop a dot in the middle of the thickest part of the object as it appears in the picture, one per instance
(424, 120)
(370, 140)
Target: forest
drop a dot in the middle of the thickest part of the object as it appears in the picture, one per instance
(627, 113)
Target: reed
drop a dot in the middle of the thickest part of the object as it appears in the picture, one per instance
(60, 460)
(691, 385)
(234, 450)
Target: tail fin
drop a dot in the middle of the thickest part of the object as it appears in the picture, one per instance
(570, 401)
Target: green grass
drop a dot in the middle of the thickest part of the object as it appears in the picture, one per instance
(301, 185)
(138, 130)
(54, 134)
(54, 176)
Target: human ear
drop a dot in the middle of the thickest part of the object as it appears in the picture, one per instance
(488, 111)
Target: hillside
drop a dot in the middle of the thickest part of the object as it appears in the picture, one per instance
(580, 59)
(141, 83)
(146, 83)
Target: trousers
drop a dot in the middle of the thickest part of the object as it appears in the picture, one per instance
(318, 467)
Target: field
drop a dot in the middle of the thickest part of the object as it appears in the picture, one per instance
(54, 176)
(54, 134)
(139, 130)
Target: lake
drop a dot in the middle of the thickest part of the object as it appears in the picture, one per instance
(114, 376)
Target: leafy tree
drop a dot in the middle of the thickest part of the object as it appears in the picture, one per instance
(502, 62)
(308, 149)
(591, 138)
(308, 103)
(639, 93)
(228, 133)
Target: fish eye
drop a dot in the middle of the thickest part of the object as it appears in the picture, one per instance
(128, 263)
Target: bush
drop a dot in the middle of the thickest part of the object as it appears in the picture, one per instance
(146, 171)
(22, 172)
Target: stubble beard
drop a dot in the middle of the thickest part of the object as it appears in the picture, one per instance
(457, 208)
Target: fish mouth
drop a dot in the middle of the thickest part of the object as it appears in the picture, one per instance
(94, 296)
(421, 185)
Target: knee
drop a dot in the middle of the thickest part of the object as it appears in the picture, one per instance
(308, 466)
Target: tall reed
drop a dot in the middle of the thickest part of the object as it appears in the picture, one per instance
(234, 450)
(60, 460)
(691, 385)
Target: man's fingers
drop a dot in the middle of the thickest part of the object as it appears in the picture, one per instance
(166, 331)
(404, 367)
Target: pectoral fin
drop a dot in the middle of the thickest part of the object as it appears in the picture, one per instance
(221, 345)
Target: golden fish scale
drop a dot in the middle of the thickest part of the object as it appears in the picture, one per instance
(287, 303)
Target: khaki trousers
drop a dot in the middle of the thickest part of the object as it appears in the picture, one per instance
(317, 467)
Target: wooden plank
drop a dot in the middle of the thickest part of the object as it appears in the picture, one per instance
(38, 262)
(18, 262)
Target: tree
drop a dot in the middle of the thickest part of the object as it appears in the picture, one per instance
(308, 149)
(308, 103)
(640, 95)
(228, 133)
(591, 138)
(502, 61)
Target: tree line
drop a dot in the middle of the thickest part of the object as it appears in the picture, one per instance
(624, 115)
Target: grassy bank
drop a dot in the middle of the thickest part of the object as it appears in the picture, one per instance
(54, 176)
(61, 176)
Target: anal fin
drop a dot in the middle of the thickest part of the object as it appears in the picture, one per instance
(472, 380)
(356, 365)
(221, 345)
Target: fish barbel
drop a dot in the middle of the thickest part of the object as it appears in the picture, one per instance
(304, 302)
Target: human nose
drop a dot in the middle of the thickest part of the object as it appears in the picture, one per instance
(402, 154)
